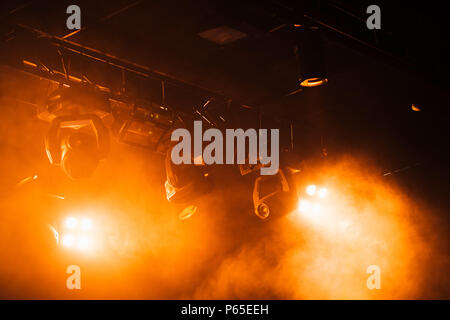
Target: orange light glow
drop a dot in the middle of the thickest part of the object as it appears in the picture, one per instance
(86, 224)
(170, 190)
(70, 223)
(78, 234)
(363, 222)
(313, 82)
(311, 190)
(68, 240)
(415, 107)
(83, 243)
(322, 193)
(118, 225)
(304, 206)
(187, 212)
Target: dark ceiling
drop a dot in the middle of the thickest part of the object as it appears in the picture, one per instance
(165, 35)
(374, 76)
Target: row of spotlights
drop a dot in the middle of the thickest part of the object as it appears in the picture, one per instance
(77, 233)
(310, 206)
(313, 190)
(81, 243)
(71, 223)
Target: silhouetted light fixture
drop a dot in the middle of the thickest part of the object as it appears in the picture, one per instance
(77, 143)
(273, 195)
(310, 56)
(185, 182)
(74, 100)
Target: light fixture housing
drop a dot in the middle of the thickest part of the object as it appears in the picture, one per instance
(273, 195)
(185, 182)
(309, 53)
(77, 150)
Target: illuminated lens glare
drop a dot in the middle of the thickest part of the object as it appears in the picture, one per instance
(67, 240)
(304, 206)
(83, 243)
(311, 190)
(79, 235)
(71, 223)
(86, 224)
(322, 192)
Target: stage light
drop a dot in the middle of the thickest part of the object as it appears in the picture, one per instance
(310, 204)
(67, 99)
(313, 82)
(79, 158)
(70, 223)
(322, 193)
(311, 190)
(77, 233)
(83, 243)
(77, 143)
(170, 190)
(309, 54)
(86, 224)
(304, 205)
(185, 182)
(148, 126)
(273, 195)
(262, 211)
(67, 240)
(307, 206)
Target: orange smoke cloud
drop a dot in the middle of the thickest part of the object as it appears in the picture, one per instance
(365, 222)
(223, 251)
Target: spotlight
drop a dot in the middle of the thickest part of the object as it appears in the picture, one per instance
(310, 203)
(83, 243)
(76, 149)
(185, 182)
(76, 233)
(262, 210)
(148, 125)
(66, 100)
(86, 224)
(67, 241)
(304, 205)
(70, 223)
(311, 190)
(273, 194)
(310, 57)
(322, 193)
